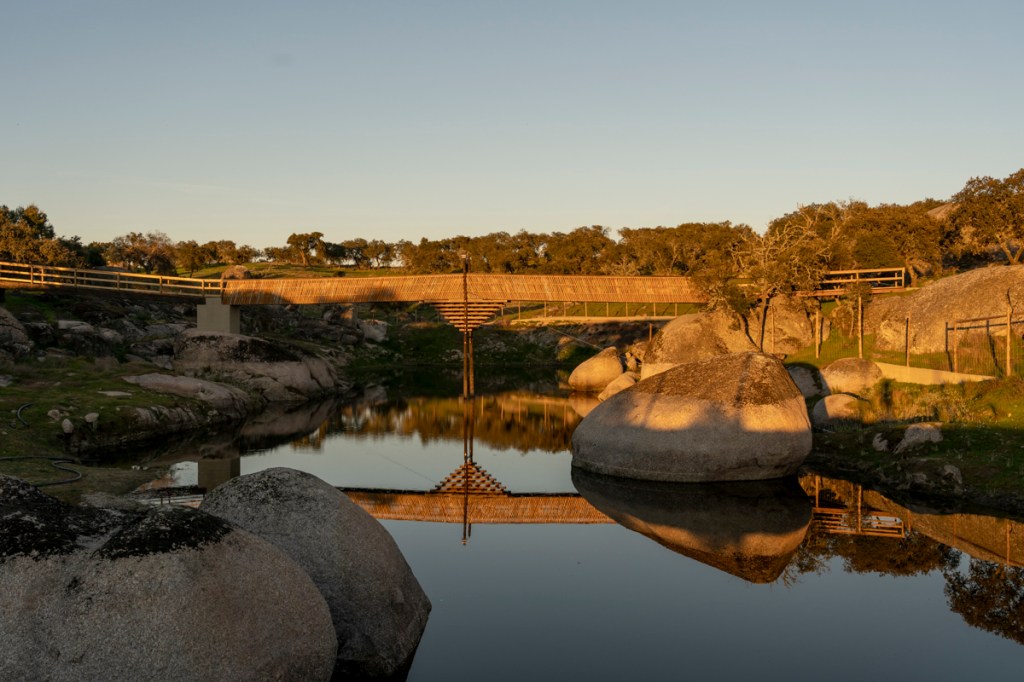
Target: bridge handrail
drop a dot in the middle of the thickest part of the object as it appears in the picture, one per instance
(82, 278)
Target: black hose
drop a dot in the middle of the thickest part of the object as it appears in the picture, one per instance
(55, 462)
(18, 415)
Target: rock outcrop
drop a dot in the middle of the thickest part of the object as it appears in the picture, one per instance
(694, 337)
(377, 605)
(978, 293)
(749, 529)
(732, 417)
(228, 399)
(594, 374)
(14, 339)
(275, 371)
(169, 594)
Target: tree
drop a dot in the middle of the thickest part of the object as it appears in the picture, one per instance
(26, 236)
(190, 256)
(989, 596)
(989, 213)
(307, 247)
(150, 252)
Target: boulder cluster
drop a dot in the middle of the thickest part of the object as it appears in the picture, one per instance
(278, 577)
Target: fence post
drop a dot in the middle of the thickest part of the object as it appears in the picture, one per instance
(956, 348)
(817, 333)
(860, 327)
(906, 340)
(1009, 340)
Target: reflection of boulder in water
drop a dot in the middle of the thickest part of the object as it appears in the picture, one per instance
(750, 529)
(583, 403)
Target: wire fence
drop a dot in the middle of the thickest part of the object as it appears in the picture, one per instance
(990, 346)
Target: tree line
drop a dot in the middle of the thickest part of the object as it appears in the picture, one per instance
(980, 224)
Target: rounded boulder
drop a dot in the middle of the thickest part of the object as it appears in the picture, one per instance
(729, 418)
(851, 375)
(169, 594)
(593, 375)
(377, 605)
(694, 337)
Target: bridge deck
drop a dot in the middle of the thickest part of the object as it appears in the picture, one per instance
(410, 288)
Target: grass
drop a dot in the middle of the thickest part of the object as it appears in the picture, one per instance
(71, 387)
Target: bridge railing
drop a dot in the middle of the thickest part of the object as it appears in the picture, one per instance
(881, 280)
(48, 276)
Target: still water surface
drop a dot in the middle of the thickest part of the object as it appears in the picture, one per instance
(803, 579)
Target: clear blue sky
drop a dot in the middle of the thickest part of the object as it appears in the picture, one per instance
(395, 120)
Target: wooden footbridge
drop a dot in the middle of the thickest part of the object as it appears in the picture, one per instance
(466, 300)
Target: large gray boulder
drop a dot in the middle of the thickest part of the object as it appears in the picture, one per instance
(273, 370)
(750, 529)
(378, 607)
(594, 374)
(851, 375)
(729, 418)
(169, 594)
(694, 337)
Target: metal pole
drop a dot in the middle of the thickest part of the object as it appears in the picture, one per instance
(472, 372)
(465, 325)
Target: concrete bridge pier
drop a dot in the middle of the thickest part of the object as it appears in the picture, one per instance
(216, 316)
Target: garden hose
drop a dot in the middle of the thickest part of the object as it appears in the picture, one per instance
(56, 463)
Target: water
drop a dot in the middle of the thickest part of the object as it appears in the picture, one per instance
(800, 579)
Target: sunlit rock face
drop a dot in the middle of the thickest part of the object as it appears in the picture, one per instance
(749, 529)
(377, 605)
(735, 417)
(168, 594)
(691, 338)
(593, 375)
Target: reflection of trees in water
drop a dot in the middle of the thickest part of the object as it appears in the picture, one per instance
(506, 421)
(988, 596)
(914, 554)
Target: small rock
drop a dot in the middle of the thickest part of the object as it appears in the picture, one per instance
(115, 394)
(836, 410)
(54, 414)
(67, 426)
(623, 382)
(6, 380)
(952, 473)
(919, 434)
(92, 418)
(879, 443)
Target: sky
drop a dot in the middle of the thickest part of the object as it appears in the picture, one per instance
(406, 119)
